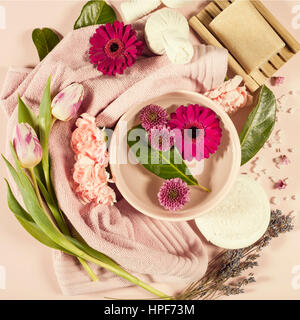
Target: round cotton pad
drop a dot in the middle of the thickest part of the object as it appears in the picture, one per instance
(239, 220)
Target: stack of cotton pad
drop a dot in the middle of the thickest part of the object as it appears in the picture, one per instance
(239, 220)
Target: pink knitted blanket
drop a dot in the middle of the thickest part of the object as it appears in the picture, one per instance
(151, 249)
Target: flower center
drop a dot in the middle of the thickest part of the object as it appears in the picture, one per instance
(160, 140)
(152, 116)
(194, 132)
(114, 48)
(173, 194)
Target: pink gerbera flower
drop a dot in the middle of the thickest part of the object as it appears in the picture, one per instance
(114, 48)
(199, 131)
(174, 194)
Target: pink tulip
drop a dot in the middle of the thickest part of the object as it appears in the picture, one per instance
(27, 145)
(67, 102)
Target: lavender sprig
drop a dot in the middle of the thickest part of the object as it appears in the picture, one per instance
(224, 276)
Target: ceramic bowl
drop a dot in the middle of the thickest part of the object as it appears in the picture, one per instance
(140, 187)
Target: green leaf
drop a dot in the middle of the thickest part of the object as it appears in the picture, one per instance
(30, 199)
(45, 40)
(44, 129)
(42, 223)
(92, 252)
(37, 213)
(53, 206)
(259, 125)
(169, 164)
(14, 205)
(28, 223)
(95, 12)
(25, 114)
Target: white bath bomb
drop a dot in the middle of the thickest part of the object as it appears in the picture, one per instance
(178, 49)
(239, 220)
(176, 3)
(159, 26)
(135, 9)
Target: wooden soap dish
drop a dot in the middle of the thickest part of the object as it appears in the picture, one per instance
(258, 76)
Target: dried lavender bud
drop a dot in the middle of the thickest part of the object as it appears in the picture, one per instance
(230, 264)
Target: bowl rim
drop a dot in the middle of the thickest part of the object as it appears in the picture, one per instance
(234, 171)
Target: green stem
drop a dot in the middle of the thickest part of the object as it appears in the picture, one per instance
(36, 188)
(82, 255)
(41, 202)
(88, 270)
(125, 275)
(195, 184)
(111, 267)
(201, 187)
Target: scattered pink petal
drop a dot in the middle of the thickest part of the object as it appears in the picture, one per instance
(282, 160)
(276, 81)
(281, 184)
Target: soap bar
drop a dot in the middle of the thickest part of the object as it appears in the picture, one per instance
(247, 35)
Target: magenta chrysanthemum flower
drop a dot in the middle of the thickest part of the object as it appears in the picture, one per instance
(174, 194)
(199, 131)
(114, 48)
(153, 115)
(161, 138)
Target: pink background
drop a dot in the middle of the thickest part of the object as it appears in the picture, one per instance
(28, 265)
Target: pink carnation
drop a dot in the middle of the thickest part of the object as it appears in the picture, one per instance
(90, 178)
(89, 174)
(89, 140)
(106, 196)
(230, 95)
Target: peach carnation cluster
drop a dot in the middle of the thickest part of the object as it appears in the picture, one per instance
(89, 173)
(230, 95)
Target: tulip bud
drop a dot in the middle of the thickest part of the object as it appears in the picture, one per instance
(27, 145)
(67, 102)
